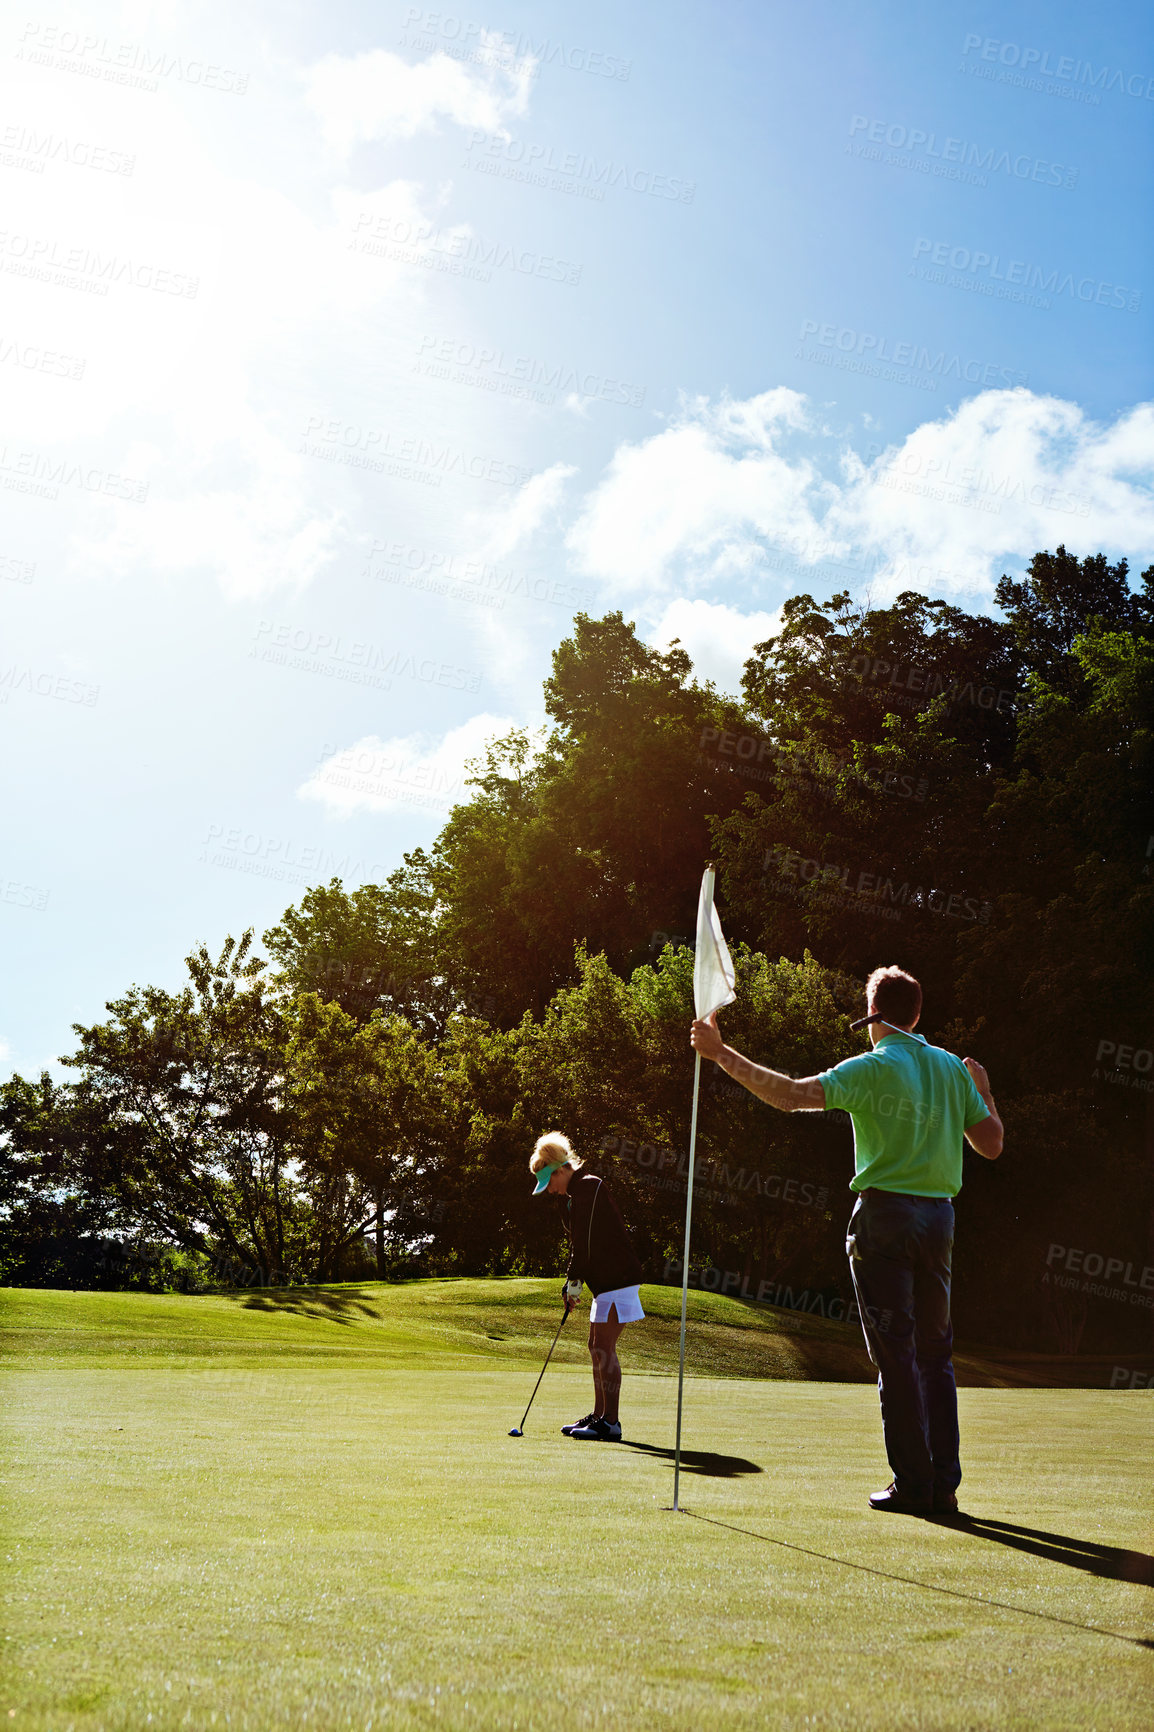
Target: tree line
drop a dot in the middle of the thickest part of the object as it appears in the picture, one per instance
(969, 796)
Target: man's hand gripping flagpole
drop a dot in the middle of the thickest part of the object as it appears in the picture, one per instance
(713, 987)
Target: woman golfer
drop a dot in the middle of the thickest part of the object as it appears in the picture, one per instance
(603, 1258)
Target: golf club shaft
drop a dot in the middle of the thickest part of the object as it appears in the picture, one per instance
(544, 1368)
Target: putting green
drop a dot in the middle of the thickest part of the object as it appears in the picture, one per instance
(223, 1515)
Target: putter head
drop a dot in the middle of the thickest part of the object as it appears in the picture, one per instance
(516, 1432)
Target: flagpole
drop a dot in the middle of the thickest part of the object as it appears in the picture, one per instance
(713, 987)
(685, 1273)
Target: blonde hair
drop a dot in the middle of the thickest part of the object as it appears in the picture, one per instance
(553, 1150)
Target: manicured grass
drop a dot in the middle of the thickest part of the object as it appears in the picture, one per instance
(455, 1321)
(418, 1323)
(222, 1515)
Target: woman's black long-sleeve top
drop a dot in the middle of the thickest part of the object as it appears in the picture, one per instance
(602, 1255)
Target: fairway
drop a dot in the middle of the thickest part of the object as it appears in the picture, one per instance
(303, 1510)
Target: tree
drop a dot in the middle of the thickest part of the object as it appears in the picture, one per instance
(610, 1063)
(56, 1228)
(483, 1221)
(888, 730)
(595, 834)
(970, 796)
(1061, 599)
(835, 673)
(367, 1128)
(179, 1116)
(367, 949)
(1076, 937)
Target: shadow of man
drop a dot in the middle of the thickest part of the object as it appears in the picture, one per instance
(1025, 1538)
(1098, 1560)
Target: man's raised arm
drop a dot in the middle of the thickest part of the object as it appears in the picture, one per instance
(988, 1134)
(788, 1094)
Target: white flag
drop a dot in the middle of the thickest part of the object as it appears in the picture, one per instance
(713, 974)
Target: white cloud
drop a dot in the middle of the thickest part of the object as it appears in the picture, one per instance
(255, 534)
(1002, 476)
(512, 524)
(718, 639)
(993, 481)
(203, 363)
(700, 498)
(229, 490)
(407, 773)
(363, 98)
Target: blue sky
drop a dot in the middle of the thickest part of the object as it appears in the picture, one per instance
(347, 351)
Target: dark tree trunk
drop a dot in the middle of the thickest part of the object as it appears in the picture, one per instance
(379, 1234)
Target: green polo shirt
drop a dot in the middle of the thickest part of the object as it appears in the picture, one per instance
(910, 1104)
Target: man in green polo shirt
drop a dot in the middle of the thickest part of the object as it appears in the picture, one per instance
(912, 1105)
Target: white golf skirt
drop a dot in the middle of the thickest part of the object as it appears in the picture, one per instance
(627, 1301)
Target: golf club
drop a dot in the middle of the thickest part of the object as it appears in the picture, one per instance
(519, 1430)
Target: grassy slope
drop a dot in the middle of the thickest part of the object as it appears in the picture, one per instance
(310, 1515)
(375, 1323)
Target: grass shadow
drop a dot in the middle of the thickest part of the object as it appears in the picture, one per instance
(1097, 1560)
(702, 1461)
(312, 1302)
(912, 1581)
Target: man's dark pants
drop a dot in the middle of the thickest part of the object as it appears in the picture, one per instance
(899, 1256)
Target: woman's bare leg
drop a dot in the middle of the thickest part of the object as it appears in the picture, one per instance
(595, 1356)
(603, 1339)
